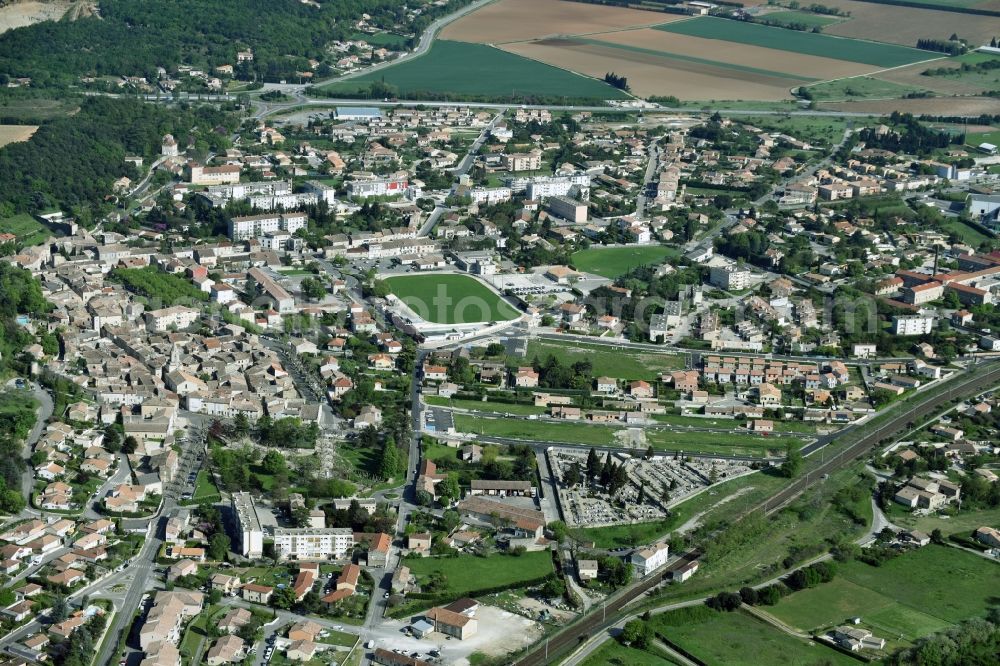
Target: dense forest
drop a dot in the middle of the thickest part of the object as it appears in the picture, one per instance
(134, 37)
(71, 163)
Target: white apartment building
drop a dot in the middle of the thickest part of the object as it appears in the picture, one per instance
(912, 325)
(559, 186)
(377, 187)
(286, 201)
(313, 543)
(251, 535)
(490, 195)
(647, 560)
(177, 316)
(256, 226)
(729, 277)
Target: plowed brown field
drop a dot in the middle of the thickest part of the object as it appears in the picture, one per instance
(905, 25)
(652, 75)
(733, 53)
(522, 20)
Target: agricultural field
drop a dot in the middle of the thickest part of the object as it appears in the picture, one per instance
(525, 20)
(738, 638)
(688, 78)
(28, 230)
(793, 17)
(905, 25)
(860, 87)
(937, 106)
(16, 133)
(606, 360)
(766, 59)
(912, 595)
(611, 262)
(457, 68)
(956, 82)
(869, 53)
(450, 298)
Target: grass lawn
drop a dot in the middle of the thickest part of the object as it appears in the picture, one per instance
(480, 406)
(625, 535)
(537, 430)
(607, 360)
(205, 486)
(458, 67)
(703, 422)
(859, 87)
(815, 130)
(613, 652)
(834, 602)
(977, 138)
(739, 638)
(467, 573)
(610, 262)
(967, 234)
(600, 435)
(450, 298)
(826, 46)
(28, 230)
(437, 451)
(912, 595)
(964, 522)
(793, 17)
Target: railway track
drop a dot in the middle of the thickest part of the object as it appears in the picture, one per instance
(597, 620)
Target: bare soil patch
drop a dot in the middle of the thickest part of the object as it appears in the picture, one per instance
(21, 14)
(814, 67)
(905, 25)
(522, 20)
(654, 75)
(16, 133)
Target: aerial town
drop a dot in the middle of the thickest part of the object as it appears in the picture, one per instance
(336, 382)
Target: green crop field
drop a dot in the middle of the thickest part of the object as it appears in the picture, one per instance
(475, 69)
(606, 360)
(738, 638)
(467, 573)
(838, 48)
(28, 230)
(610, 262)
(912, 595)
(793, 17)
(450, 298)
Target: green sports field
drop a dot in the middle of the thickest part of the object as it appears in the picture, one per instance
(478, 70)
(610, 262)
(912, 595)
(838, 48)
(450, 298)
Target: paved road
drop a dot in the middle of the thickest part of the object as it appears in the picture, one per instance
(41, 418)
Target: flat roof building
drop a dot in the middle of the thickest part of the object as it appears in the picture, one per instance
(251, 535)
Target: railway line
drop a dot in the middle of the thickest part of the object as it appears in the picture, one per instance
(980, 379)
